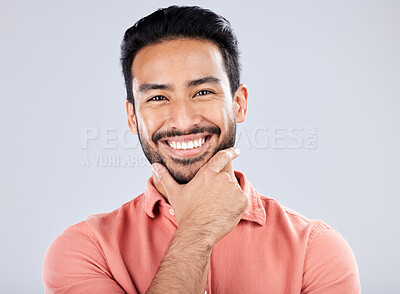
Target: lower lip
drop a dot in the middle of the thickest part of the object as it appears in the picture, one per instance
(186, 153)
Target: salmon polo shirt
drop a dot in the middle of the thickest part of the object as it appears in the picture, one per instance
(271, 250)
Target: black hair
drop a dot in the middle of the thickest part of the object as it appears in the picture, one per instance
(181, 22)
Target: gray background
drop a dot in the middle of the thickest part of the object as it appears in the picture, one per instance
(329, 65)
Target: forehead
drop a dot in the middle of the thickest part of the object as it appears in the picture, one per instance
(178, 60)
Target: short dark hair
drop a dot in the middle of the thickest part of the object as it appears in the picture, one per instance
(181, 22)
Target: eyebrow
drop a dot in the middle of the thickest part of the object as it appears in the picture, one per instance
(149, 86)
(206, 80)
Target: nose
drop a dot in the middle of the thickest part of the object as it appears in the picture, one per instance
(183, 115)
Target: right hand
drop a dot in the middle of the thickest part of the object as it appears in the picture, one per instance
(212, 202)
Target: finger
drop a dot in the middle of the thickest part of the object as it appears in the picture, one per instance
(164, 177)
(221, 159)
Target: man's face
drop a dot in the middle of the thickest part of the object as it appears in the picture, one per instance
(184, 111)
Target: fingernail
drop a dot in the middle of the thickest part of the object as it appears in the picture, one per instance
(236, 150)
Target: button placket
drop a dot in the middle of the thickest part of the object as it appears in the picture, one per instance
(169, 213)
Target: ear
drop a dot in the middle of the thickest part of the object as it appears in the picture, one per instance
(132, 123)
(240, 103)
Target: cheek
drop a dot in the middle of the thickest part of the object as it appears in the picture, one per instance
(146, 125)
(220, 115)
(228, 114)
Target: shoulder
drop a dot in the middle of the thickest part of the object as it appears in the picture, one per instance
(329, 262)
(87, 236)
(316, 230)
(330, 265)
(285, 218)
(129, 211)
(84, 248)
(104, 228)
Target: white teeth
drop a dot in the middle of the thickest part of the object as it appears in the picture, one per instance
(187, 145)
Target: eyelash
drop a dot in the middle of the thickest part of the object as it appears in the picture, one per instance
(199, 93)
(202, 91)
(154, 98)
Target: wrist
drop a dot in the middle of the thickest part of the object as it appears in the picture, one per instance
(197, 235)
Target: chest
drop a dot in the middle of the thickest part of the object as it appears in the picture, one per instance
(251, 259)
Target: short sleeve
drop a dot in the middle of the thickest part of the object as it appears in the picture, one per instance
(330, 266)
(75, 264)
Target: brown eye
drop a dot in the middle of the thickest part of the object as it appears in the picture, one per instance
(157, 98)
(203, 92)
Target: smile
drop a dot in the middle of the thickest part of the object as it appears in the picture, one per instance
(187, 145)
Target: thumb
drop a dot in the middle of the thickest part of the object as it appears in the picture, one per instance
(218, 162)
(164, 177)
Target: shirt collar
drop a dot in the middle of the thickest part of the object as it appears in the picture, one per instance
(254, 213)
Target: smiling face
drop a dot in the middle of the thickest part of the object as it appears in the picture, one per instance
(184, 110)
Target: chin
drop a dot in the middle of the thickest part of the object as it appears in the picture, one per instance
(183, 175)
(184, 172)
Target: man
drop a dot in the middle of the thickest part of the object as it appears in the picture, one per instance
(200, 226)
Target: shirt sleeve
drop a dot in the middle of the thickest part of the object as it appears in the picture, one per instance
(330, 266)
(75, 264)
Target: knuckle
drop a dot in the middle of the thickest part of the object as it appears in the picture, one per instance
(242, 197)
(224, 154)
(244, 202)
(209, 170)
(221, 158)
(224, 176)
(214, 164)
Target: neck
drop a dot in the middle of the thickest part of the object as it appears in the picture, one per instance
(227, 169)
